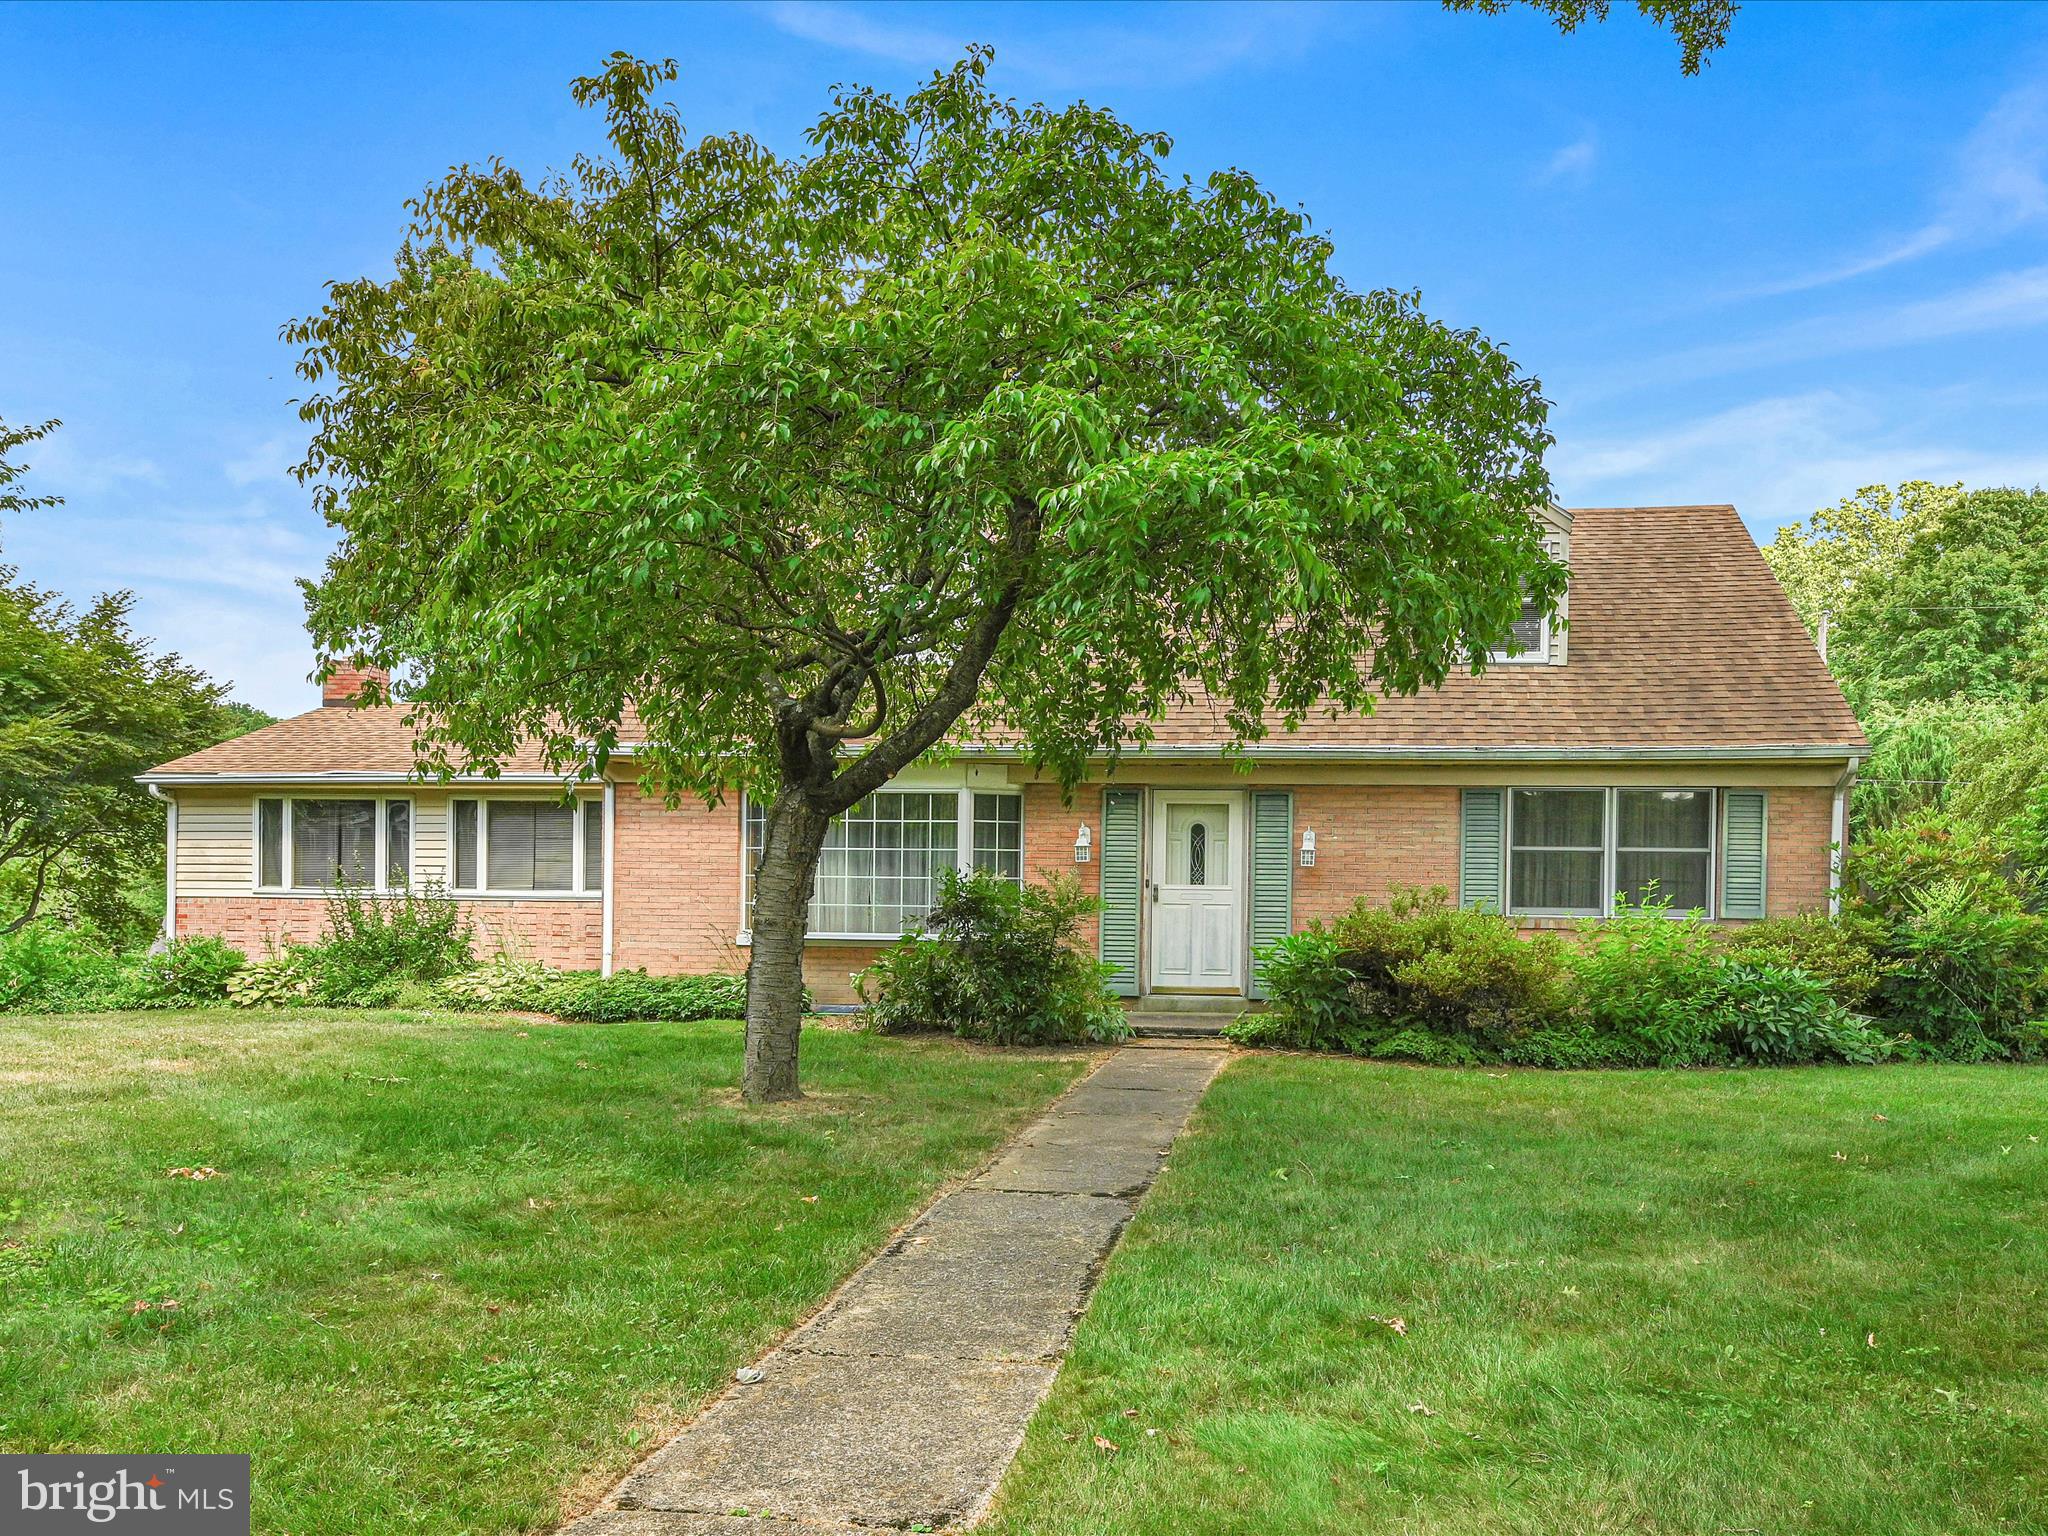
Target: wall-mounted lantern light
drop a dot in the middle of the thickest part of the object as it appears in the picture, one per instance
(1308, 847)
(1081, 844)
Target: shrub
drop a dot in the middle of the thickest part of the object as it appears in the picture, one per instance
(184, 973)
(287, 977)
(48, 968)
(375, 944)
(1644, 977)
(1895, 866)
(504, 984)
(1845, 953)
(1417, 980)
(999, 962)
(1778, 1015)
(626, 995)
(1969, 983)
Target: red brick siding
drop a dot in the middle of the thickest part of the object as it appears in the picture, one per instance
(675, 885)
(566, 933)
(1371, 839)
(1796, 871)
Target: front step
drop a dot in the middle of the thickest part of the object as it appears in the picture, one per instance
(1148, 1025)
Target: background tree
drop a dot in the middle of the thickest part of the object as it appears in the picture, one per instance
(1701, 26)
(85, 705)
(1938, 600)
(972, 416)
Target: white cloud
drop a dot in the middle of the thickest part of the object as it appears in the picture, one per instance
(1188, 44)
(1997, 184)
(1780, 457)
(1573, 163)
(2003, 302)
(267, 463)
(65, 464)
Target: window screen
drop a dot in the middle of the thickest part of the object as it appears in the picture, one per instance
(397, 842)
(465, 845)
(1556, 850)
(270, 844)
(1664, 842)
(593, 845)
(334, 842)
(529, 845)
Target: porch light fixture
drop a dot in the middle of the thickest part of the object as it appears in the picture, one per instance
(1308, 848)
(1082, 841)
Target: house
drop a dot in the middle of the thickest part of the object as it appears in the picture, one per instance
(1678, 729)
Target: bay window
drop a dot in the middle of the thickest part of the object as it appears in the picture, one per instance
(1577, 852)
(879, 869)
(512, 846)
(308, 843)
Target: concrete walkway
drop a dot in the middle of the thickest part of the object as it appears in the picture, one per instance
(900, 1404)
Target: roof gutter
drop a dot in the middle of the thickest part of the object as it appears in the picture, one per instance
(1199, 754)
(1418, 754)
(351, 776)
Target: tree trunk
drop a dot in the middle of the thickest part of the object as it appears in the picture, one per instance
(793, 836)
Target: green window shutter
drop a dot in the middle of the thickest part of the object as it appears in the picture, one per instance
(1122, 889)
(1482, 857)
(1272, 876)
(1743, 824)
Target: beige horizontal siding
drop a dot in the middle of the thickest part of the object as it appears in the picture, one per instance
(215, 843)
(216, 835)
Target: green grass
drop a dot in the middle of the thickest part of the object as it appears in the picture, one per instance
(1699, 1303)
(452, 1270)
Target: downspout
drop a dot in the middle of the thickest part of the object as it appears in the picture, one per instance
(1839, 836)
(611, 859)
(170, 930)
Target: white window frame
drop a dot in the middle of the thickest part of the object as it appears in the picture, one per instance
(1537, 655)
(577, 877)
(381, 883)
(1606, 850)
(963, 853)
(1610, 836)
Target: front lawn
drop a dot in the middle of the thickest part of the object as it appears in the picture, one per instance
(1764, 1302)
(435, 1272)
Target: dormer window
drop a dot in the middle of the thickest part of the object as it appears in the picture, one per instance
(1530, 639)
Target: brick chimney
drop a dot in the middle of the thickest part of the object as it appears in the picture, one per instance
(346, 681)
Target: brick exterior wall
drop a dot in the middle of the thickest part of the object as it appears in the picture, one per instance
(675, 885)
(1796, 858)
(1371, 839)
(568, 933)
(676, 878)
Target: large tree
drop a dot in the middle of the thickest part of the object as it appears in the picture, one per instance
(85, 705)
(1930, 593)
(972, 421)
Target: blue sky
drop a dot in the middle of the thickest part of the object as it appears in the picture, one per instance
(1819, 265)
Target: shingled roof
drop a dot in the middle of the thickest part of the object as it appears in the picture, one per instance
(1680, 640)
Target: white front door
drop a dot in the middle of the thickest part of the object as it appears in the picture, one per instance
(1197, 890)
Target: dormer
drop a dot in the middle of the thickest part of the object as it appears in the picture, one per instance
(1540, 640)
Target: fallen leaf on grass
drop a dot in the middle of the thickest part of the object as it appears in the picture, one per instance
(1109, 1446)
(1841, 1157)
(810, 1199)
(1397, 1324)
(1422, 1408)
(192, 1173)
(1880, 1117)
